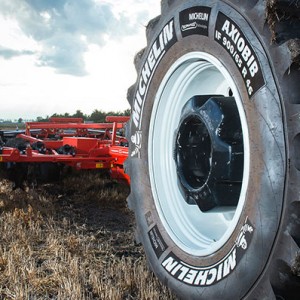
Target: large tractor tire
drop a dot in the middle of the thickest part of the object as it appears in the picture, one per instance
(214, 152)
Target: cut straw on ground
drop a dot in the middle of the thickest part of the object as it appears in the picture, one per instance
(72, 240)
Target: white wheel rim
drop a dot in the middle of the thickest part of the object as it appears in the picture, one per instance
(195, 232)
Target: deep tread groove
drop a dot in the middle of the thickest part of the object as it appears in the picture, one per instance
(294, 226)
(296, 265)
(291, 7)
(294, 46)
(284, 19)
(284, 283)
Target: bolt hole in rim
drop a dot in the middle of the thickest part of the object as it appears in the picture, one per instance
(195, 232)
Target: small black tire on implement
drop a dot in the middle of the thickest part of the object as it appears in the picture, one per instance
(214, 142)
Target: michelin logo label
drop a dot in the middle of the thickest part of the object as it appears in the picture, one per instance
(206, 276)
(164, 41)
(195, 20)
(161, 45)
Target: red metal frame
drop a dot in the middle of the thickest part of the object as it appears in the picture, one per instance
(97, 145)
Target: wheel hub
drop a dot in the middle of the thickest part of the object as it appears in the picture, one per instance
(209, 153)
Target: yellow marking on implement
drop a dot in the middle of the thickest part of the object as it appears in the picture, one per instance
(99, 166)
(1, 158)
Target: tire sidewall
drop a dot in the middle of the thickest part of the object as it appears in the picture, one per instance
(264, 199)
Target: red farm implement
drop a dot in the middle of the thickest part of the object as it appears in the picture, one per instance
(47, 146)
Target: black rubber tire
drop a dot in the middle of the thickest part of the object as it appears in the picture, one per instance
(48, 172)
(16, 172)
(266, 268)
(33, 173)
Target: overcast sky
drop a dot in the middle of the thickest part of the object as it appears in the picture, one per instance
(64, 55)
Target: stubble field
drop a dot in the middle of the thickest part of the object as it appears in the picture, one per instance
(72, 240)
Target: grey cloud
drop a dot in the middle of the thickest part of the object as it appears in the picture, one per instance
(7, 53)
(65, 54)
(39, 5)
(60, 25)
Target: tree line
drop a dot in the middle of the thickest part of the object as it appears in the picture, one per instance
(97, 116)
